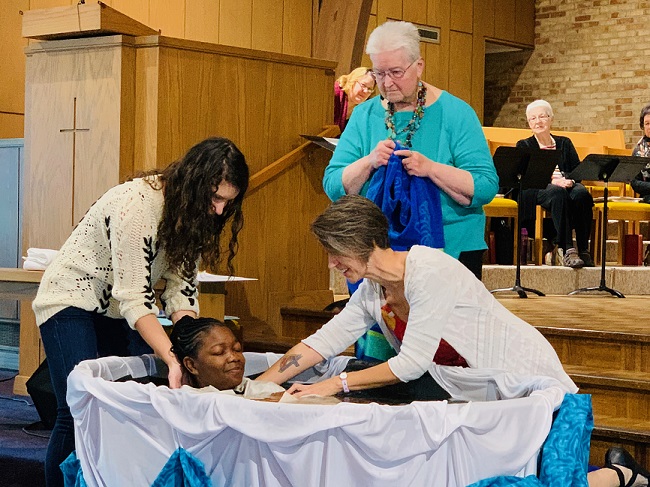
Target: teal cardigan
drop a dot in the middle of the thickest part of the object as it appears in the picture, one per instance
(450, 133)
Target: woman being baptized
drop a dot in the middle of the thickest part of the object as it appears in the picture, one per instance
(211, 356)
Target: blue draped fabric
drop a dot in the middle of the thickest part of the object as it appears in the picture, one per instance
(181, 470)
(565, 453)
(72, 474)
(411, 204)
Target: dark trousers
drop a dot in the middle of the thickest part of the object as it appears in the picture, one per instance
(424, 388)
(473, 260)
(570, 210)
(69, 337)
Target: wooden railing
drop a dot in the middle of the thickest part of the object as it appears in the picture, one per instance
(285, 162)
(497, 136)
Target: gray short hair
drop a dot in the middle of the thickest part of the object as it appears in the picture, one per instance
(352, 226)
(644, 111)
(392, 35)
(540, 103)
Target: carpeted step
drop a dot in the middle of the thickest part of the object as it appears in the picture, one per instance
(559, 280)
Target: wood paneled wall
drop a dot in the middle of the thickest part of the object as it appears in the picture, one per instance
(268, 25)
(457, 64)
(291, 97)
(143, 101)
(287, 26)
(12, 72)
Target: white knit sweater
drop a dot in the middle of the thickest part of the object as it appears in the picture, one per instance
(112, 259)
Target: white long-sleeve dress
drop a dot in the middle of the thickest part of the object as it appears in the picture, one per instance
(446, 301)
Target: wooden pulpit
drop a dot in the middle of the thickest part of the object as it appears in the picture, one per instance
(101, 108)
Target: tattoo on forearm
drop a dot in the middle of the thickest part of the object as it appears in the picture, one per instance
(288, 361)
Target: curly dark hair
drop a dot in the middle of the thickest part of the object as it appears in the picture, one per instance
(189, 228)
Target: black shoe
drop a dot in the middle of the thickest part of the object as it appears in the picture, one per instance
(617, 456)
(586, 258)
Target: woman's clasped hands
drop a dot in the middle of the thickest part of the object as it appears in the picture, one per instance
(381, 153)
(414, 162)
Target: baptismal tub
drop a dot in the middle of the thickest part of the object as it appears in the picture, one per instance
(126, 432)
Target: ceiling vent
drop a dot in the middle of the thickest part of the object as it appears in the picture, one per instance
(429, 34)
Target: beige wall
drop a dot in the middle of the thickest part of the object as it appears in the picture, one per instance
(286, 26)
(590, 63)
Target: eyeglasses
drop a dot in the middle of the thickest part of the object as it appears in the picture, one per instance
(396, 73)
(364, 88)
(542, 118)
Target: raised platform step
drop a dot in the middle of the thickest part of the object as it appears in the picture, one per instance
(558, 280)
(604, 345)
(609, 431)
(609, 379)
(615, 393)
(622, 429)
(620, 401)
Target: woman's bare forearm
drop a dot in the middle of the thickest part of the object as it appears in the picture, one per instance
(296, 360)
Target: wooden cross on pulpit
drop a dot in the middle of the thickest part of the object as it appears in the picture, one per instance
(74, 131)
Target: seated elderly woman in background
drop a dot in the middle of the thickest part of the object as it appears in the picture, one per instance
(349, 91)
(569, 202)
(419, 297)
(641, 184)
(210, 354)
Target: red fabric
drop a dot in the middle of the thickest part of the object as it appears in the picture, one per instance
(445, 355)
(340, 106)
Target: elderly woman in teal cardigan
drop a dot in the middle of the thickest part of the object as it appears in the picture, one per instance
(442, 135)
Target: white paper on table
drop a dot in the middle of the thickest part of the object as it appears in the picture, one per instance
(332, 140)
(207, 277)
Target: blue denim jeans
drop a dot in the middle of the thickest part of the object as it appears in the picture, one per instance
(69, 337)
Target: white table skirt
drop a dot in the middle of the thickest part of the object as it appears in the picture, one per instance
(125, 432)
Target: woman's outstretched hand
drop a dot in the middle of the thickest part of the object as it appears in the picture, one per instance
(327, 387)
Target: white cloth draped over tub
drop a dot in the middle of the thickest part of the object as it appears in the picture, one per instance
(125, 432)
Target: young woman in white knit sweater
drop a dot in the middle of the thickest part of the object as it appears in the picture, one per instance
(97, 297)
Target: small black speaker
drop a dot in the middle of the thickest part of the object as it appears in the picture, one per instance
(39, 387)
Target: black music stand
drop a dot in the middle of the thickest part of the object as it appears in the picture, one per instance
(606, 168)
(523, 169)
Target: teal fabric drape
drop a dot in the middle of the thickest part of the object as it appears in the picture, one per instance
(182, 470)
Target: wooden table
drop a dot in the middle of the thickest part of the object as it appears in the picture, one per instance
(22, 285)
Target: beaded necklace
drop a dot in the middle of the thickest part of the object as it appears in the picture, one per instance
(414, 123)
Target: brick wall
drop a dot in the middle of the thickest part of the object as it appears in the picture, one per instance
(502, 70)
(590, 63)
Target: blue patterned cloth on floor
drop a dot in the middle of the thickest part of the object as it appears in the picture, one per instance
(565, 453)
(181, 470)
(72, 474)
